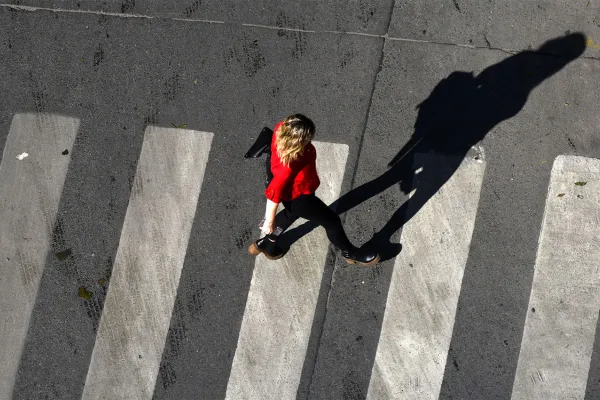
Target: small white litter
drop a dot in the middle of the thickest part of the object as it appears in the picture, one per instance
(22, 156)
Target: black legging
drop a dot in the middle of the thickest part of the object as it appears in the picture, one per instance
(310, 207)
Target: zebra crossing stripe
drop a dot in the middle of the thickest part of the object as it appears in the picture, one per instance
(558, 338)
(276, 325)
(147, 267)
(424, 290)
(32, 175)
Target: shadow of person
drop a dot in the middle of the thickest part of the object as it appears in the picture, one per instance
(458, 113)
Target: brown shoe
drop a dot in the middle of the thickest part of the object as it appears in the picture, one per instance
(259, 246)
(253, 249)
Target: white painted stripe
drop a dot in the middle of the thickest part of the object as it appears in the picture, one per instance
(30, 191)
(281, 303)
(148, 264)
(425, 286)
(558, 337)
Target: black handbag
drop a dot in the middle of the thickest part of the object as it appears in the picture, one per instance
(261, 146)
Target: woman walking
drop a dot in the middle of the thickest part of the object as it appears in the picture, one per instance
(295, 179)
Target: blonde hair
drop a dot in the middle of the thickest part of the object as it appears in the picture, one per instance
(295, 132)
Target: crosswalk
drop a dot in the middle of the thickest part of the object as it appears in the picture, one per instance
(281, 304)
(32, 174)
(565, 296)
(559, 332)
(423, 294)
(147, 268)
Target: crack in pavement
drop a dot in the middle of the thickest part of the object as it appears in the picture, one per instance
(278, 28)
(385, 37)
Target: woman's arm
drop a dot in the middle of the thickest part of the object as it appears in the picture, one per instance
(270, 212)
(283, 177)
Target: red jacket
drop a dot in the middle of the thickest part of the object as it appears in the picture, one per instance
(298, 178)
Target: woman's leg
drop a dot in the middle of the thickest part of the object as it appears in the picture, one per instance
(313, 209)
(283, 220)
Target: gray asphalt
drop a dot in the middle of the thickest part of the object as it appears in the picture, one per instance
(358, 69)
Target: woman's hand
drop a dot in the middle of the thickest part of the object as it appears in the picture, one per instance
(268, 226)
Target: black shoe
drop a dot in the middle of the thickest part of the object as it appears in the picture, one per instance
(368, 259)
(268, 248)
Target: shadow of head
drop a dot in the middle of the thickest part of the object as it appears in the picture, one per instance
(569, 46)
(529, 68)
(463, 108)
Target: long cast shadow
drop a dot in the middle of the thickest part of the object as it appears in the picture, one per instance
(457, 115)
